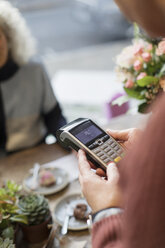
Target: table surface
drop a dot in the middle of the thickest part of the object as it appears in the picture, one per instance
(17, 165)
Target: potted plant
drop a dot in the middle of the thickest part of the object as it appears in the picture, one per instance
(9, 210)
(6, 243)
(36, 208)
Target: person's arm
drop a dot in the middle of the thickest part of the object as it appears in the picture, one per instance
(142, 181)
(149, 14)
(54, 119)
(51, 109)
(107, 233)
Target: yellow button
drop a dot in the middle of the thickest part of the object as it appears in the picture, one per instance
(117, 159)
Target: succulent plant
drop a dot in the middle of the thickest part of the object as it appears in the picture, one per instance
(35, 207)
(6, 243)
(9, 210)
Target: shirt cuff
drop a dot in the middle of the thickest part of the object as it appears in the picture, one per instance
(105, 213)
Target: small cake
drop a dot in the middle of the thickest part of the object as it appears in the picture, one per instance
(46, 178)
(80, 212)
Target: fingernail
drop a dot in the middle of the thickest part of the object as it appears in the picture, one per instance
(111, 164)
(79, 151)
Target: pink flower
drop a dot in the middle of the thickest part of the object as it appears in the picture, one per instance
(141, 75)
(126, 58)
(138, 49)
(161, 48)
(149, 47)
(129, 83)
(146, 56)
(137, 65)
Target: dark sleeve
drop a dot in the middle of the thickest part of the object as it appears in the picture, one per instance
(142, 183)
(51, 110)
(54, 119)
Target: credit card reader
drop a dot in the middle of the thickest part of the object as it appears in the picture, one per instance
(84, 134)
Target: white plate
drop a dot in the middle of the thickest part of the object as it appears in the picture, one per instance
(62, 180)
(60, 212)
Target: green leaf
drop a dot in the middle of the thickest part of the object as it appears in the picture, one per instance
(153, 68)
(121, 100)
(136, 30)
(13, 187)
(134, 93)
(8, 232)
(143, 108)
(6, 243)
(147, 80)
(162, 71)
(19, 218)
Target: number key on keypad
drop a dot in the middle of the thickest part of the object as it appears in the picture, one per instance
(97, 150)
(120, 150)
(107, 160)
(114, 155)
(110, 153)
(100, 154)
(113, 145)
(104, 146)
(107, 149)
(116, 148)
(103, 157)
(110, 142)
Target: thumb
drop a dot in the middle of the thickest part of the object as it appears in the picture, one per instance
(112, 173)
(118, 135)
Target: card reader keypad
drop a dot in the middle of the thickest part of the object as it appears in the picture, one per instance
(107, 149)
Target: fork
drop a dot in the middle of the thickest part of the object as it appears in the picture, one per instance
(34, 179)
(69, 213)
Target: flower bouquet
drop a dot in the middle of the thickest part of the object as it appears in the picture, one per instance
(141, 68)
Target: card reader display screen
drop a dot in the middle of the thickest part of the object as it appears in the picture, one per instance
(87, 133)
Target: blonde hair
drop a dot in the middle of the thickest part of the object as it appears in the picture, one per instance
(22, 45)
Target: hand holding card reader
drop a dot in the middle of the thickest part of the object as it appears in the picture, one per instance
(84, 134)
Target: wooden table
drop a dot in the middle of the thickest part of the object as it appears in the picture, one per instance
(16, 167)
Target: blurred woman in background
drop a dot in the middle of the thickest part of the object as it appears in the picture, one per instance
(29, 109)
